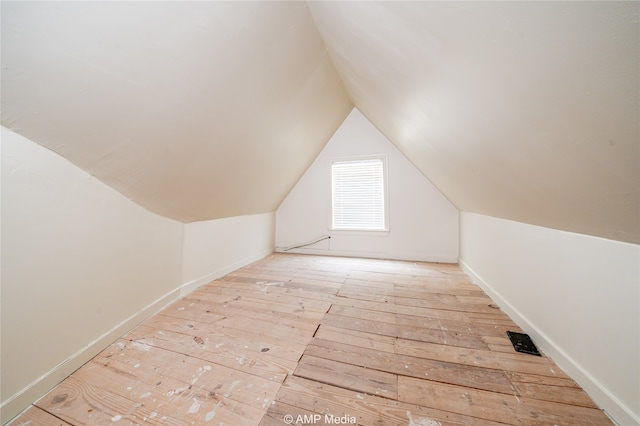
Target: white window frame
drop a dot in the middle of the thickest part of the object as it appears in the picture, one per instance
(383, 159)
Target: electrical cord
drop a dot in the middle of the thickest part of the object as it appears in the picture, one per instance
(325, 237)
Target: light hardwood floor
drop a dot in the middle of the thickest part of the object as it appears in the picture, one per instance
(321, 340)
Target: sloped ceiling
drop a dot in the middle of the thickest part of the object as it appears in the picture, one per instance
(526, 111)
(194, 110)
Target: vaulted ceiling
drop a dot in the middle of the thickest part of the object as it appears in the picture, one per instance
(528, 111)
(195, 110)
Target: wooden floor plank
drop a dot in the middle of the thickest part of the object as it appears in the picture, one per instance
(34, 416)
(300, 395)
(280, 414)
(295, 286)
(80, 403)
(491, 316)
(348, 376)
(440, 336)
(434, 322)
(507, 361)
(550, 389)
(233, 357)
(417, 287)
(151, 371)
(225, 295)
(356, 338)
(446, 372)
(270, 292)
(292, 315)
(496, 407)
(280, 325)
(221, 339)
(375, 341)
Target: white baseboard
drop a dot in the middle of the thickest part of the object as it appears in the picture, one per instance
(410, 257)
(38, 388)
(192, 285)
(611, 405)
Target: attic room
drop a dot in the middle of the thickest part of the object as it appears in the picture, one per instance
(152, 148)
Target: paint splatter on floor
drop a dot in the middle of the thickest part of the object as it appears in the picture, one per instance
(422, 421)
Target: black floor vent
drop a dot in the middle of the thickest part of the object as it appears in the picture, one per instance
(522, 343)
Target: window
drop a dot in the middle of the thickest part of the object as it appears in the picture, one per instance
(358, 195)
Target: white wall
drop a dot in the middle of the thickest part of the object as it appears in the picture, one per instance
(423, 224)
(214, 248)
(577, 296)
(81, 264)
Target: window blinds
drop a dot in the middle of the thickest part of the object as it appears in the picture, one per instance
(357, 189)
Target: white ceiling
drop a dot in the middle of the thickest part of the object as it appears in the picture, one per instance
(520, 110)
(195, 110)
(526, 111)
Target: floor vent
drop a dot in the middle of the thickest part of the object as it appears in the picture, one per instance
(522, 343)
